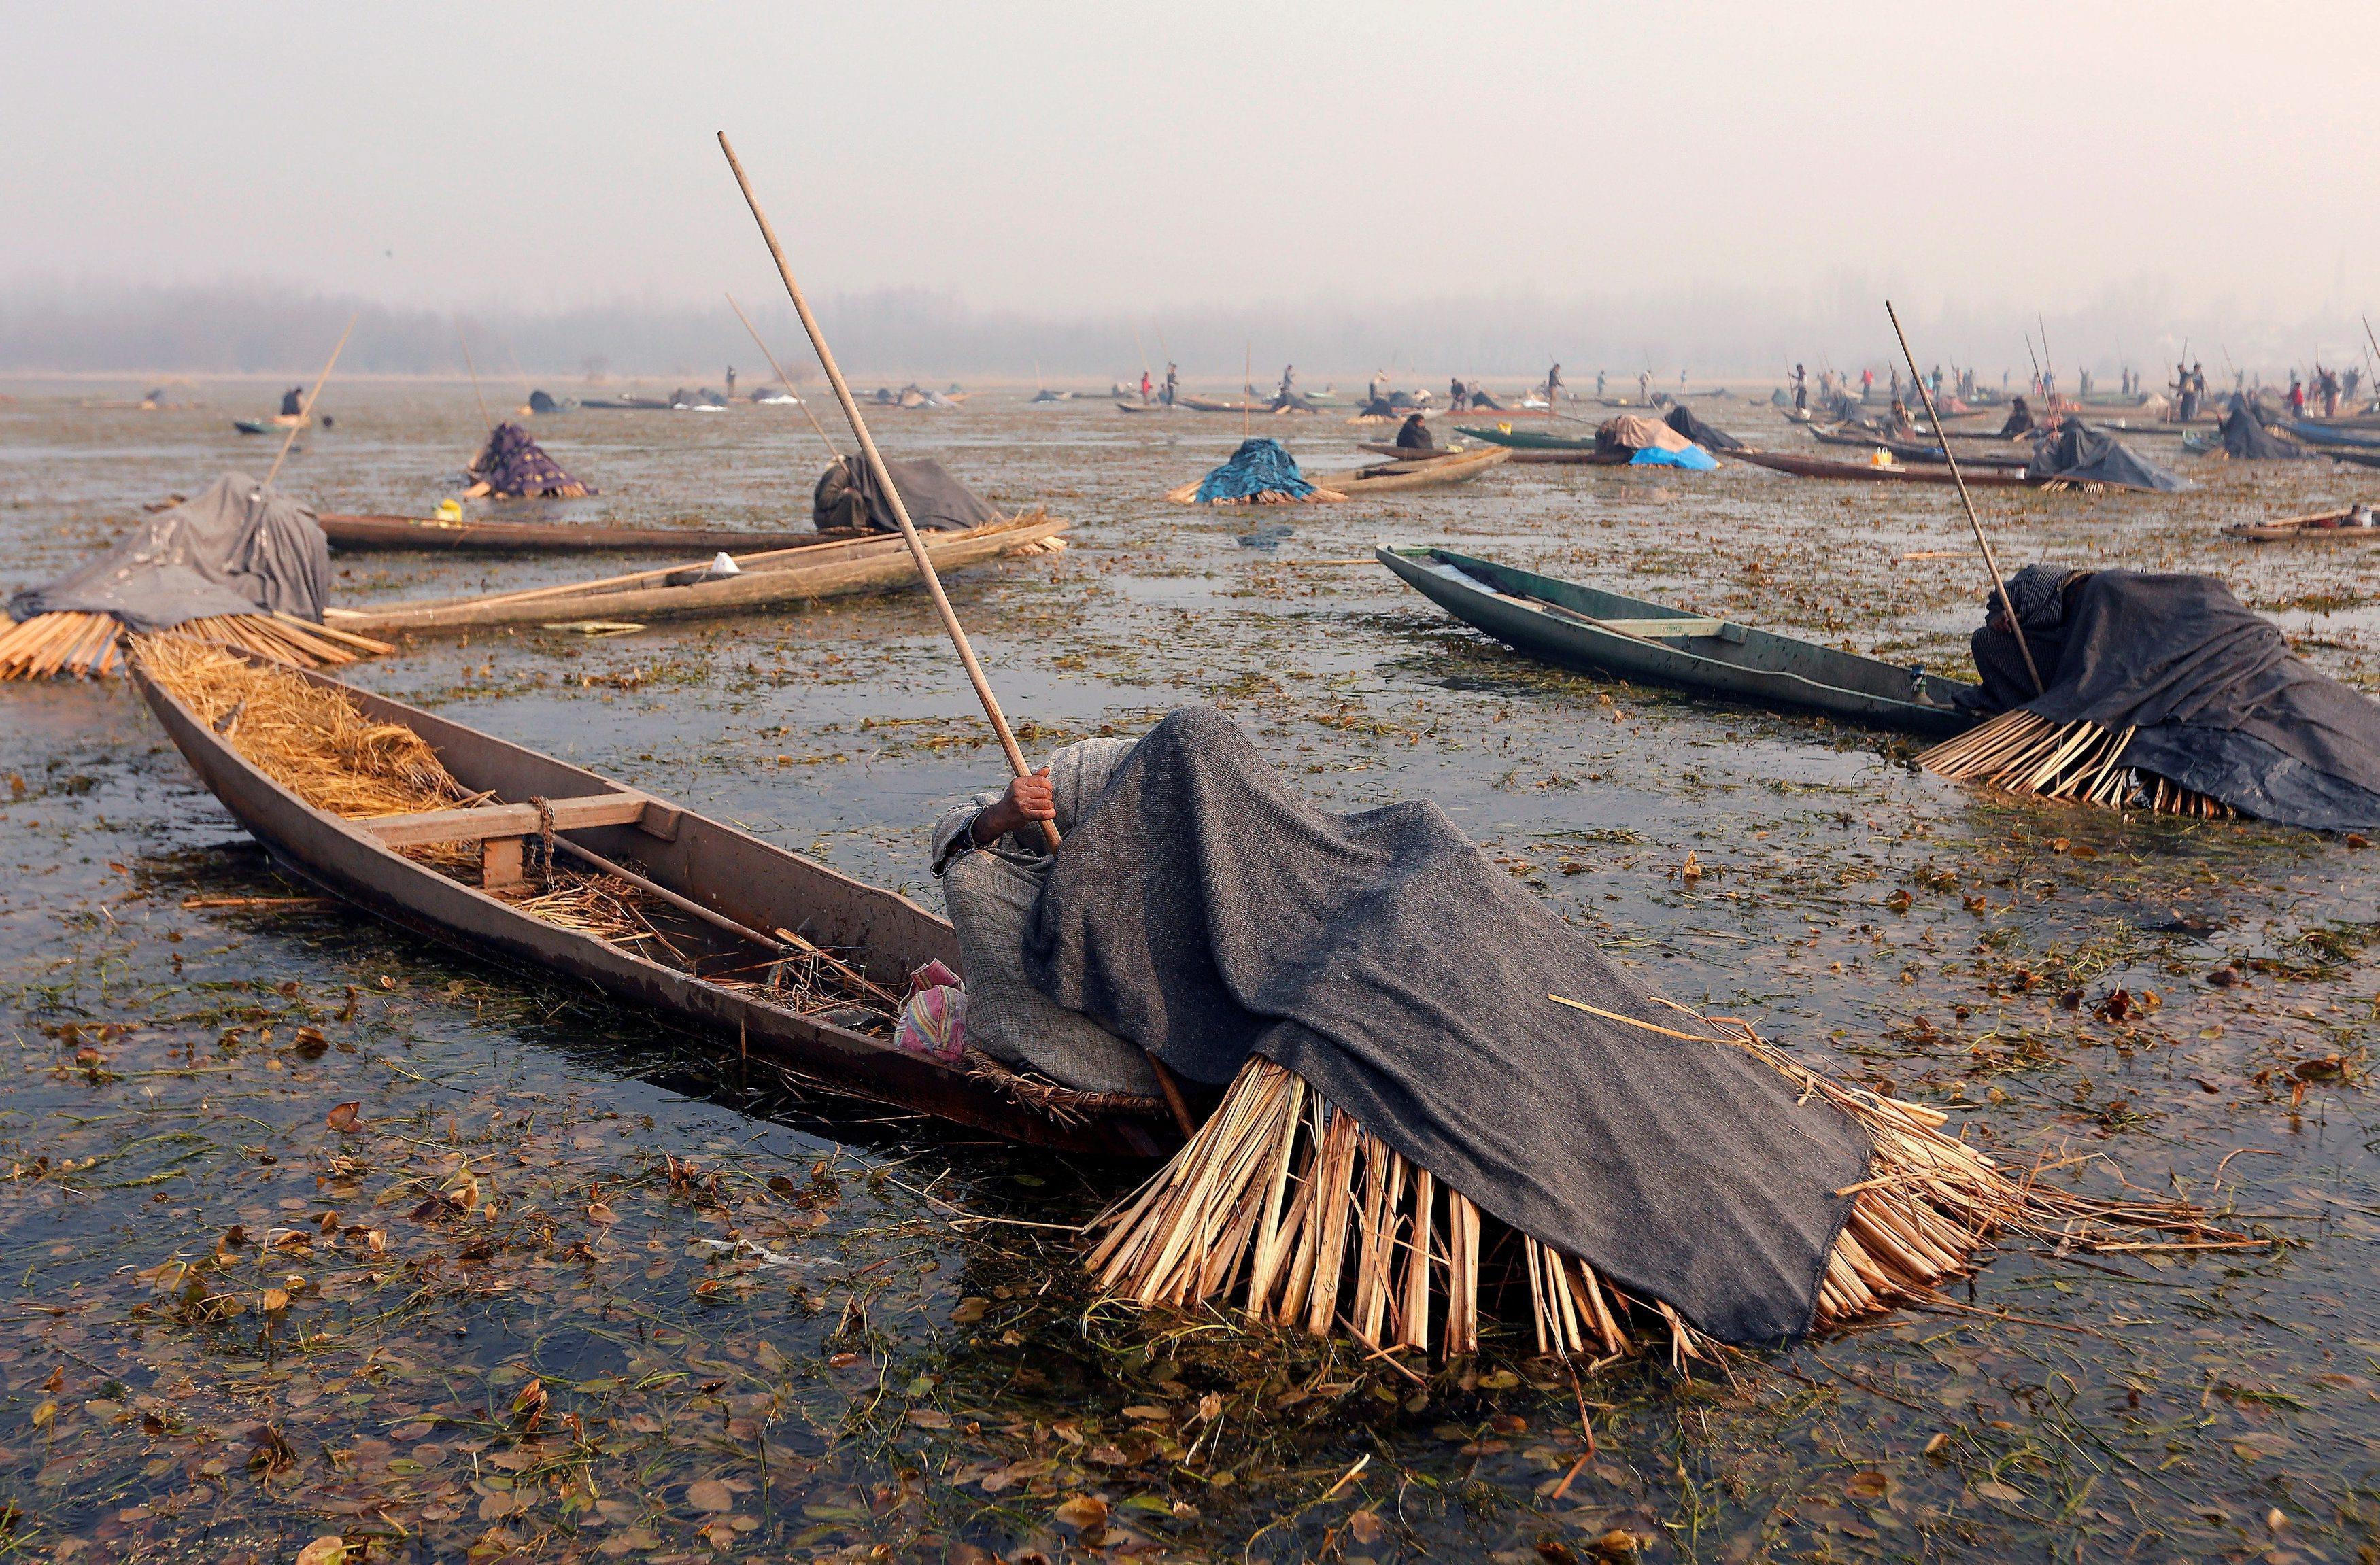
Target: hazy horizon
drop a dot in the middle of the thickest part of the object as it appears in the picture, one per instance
(1705, 188)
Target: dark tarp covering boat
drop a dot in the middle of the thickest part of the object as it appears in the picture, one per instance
(846, 496)
(234, 548)
(2217, 701)
(1709, 437)
(2245, 438)
(2077, 454)
(515, 467)
(1205, 912)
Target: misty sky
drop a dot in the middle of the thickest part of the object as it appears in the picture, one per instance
(1126, 158)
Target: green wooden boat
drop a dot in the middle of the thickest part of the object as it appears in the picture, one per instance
(1527, 440)
(1583, 627)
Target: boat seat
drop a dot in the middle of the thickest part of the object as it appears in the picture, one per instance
(499, 829)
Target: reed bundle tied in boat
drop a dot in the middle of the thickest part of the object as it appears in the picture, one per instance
(89, 646)
(1287, 1204)
(2022, 752)
(315, 742)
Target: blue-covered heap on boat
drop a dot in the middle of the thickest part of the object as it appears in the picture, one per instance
(1261, 472)
(1648, 442)
(513, 467)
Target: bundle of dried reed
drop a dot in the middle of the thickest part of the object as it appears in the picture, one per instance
(2021, 752)
(89, 645)
(308, 737)
(1315, 1221)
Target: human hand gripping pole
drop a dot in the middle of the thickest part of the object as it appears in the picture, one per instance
(1172, 1089)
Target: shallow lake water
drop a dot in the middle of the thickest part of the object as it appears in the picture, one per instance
(566, 1281)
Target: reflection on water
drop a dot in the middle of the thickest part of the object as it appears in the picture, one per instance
(564, 1283)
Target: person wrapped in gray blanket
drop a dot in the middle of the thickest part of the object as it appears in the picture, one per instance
(1204, 911)
(992, 861)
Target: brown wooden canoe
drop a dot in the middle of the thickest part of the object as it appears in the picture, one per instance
(872, 563)
(1820, 468)
(1395, 477)
(2326, 527)
(738, 877)
(519, 537)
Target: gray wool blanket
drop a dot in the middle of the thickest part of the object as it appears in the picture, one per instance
(1205, 912)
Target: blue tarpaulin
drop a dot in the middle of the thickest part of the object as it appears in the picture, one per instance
(1694, 458)
(1260, 468)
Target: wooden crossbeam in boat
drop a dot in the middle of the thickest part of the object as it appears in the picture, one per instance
(483, 822)
(1650, 628)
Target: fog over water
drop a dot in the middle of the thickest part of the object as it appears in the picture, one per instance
(1070, 192)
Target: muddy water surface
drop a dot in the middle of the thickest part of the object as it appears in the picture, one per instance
(556, 1282)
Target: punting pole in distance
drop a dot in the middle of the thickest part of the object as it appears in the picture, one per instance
(306, 413)
(783, 379)
(1173, 1099)
(1990, 564)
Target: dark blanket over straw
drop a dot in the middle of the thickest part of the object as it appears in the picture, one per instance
(1204, 911)
(2221, 703)
(234, 548)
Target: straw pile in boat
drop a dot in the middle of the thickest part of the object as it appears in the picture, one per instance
(315, 742)
(2021, 752)
(1313, 1221)
(89, 645)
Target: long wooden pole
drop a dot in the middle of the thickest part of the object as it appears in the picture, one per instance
(1171, 1089)
(1991, 565)
(305, 412)
(783, 379)
(950, 618)
(468, 369)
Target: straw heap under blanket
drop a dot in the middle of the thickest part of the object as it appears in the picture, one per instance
(2021, 752)
(1313, 1221)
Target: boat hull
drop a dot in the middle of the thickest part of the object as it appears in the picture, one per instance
(753, 883)
(1547, 618)
(877, 563)
(1397, 478)
(373, 533)
(1864, 472)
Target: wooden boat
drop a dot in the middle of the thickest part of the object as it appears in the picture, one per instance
(251, 425)
(513, 538)
(1542, 446)
(1221, 405)
(740, 880)
(1142, 407)
(622, 404)
(2354, 524)
(1408, 453)
(1585, 627)
(870, 562)
(1909, 450)
(1395, 477)
(2315, 433)
(1820, 468)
